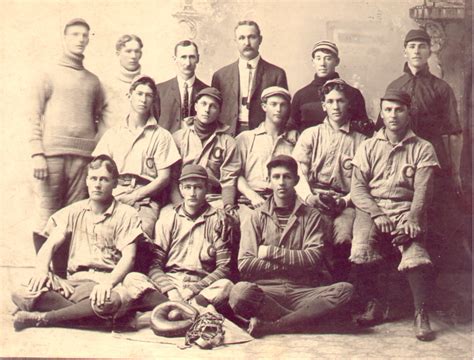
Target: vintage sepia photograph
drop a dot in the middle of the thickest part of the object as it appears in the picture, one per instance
(251, 179)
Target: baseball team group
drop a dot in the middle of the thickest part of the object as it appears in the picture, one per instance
(280, 212)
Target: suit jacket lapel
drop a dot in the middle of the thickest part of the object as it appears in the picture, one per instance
(175, 92)
(235, 80)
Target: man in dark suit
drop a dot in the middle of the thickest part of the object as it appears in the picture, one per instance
(176, 96)
(241, 83)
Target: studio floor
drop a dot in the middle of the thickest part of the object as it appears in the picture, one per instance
(392, 340)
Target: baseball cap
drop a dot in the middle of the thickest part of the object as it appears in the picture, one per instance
(275, 90)
(417, 34)
(325, 45)
(76, 21)
(397, 95)
(193, 171)
(283, 160)
(212, 92)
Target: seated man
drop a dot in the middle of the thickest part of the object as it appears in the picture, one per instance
(205, 142)
(324, 153)
(144, 153)
(193, 246)
(391, 184)
(256, 147)
(103, 233)
(281, 261)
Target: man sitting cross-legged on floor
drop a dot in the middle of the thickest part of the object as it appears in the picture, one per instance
(281, 261)
(103, 234)
(193, 246)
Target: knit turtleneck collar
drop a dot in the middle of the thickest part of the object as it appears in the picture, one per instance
(204, 131)
(72, 60)
(319, 81)
(126, 75)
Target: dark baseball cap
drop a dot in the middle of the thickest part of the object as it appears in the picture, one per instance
(283, 160)
(212, 92)
(398, 96)
(193, 171)
(417, 34)
(77, 21)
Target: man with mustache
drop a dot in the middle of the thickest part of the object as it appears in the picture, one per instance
(306, 110)
(281, 261)
(241, 83)
(116, 86)
(176, 96)
(324, 153)
(64, 115)
(391, 189)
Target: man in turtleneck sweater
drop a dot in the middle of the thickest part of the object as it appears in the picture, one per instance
(206, 143)
(64, 116)
(116, 87)
(306, 108)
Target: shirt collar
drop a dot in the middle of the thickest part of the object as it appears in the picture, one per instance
(107, 212)
(254, 62)
(380, 135)
(425, 71)
(151, 122)
(209, 211)
(346, 128)
(260, 130)
(268, 206)
(190, 81)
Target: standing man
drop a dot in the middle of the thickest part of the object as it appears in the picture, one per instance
(391, 189)
(144, 153)
(256, 147)
(241, 83)
(324, 153)
(103, 236)
(306, 109)
(205, 142)
(434, 117)
(129, 52)
(193, 240)
(65, 113)
(176, 96)
(281, 261)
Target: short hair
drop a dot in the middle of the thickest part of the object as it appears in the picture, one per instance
(107, 161)
(145, 81)
(125, 39)
(185, 43)
(326, 89)
(249, 23)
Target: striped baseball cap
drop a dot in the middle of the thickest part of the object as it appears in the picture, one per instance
(325, 45)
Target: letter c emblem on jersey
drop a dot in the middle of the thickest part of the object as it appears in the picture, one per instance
(347, 164)
(408, 171)
(217, 153)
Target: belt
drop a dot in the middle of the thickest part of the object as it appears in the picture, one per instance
(91, 269)
(131, 179)
(326, 188)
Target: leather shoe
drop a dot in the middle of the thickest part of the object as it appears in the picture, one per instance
(422, 326)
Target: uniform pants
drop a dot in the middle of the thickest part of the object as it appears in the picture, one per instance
(275, 300)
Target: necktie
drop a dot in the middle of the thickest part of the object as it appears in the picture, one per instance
(185, 105)
(249, 66)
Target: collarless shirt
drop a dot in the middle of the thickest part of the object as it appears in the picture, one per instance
(256, 148)
(390, 169)
(96, 240)
(143, 152)
(245, 85)
(327, 153)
